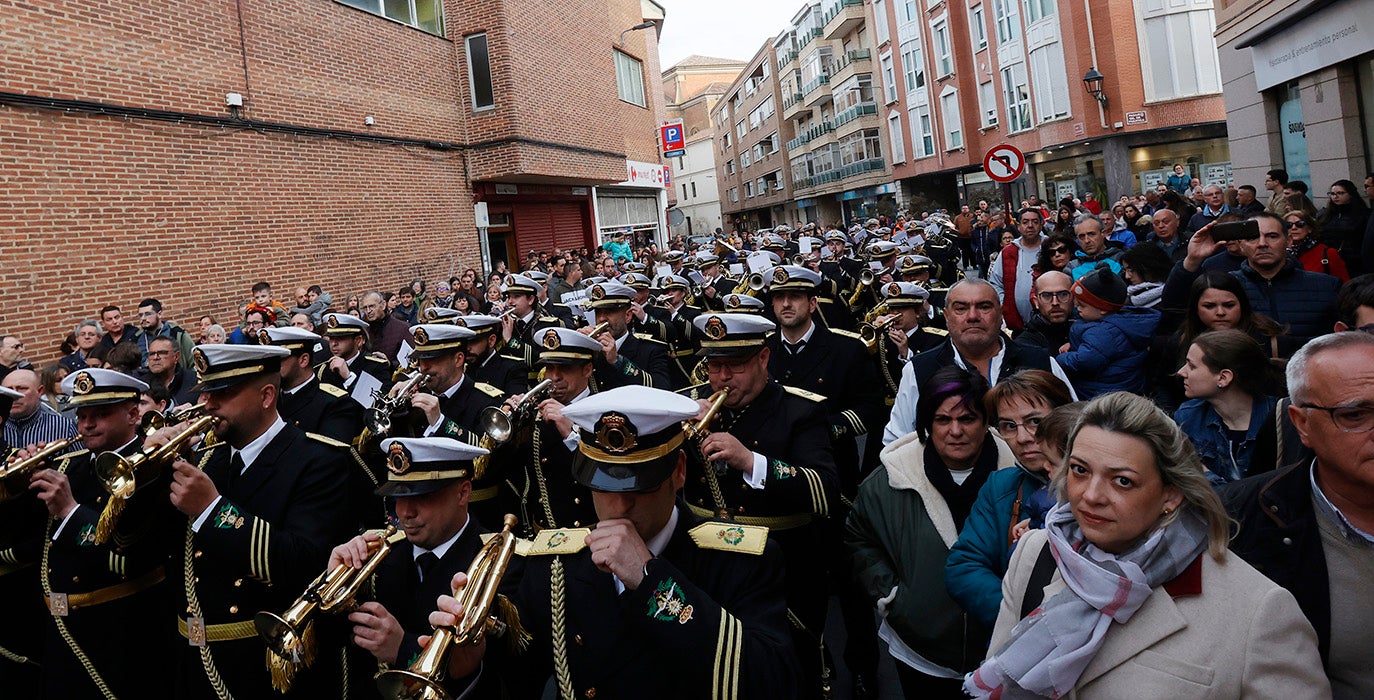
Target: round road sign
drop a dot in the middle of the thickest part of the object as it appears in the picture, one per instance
(1004, 163)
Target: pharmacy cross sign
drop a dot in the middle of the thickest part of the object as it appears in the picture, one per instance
(1004, 163)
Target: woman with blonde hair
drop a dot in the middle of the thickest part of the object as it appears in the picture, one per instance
(1129, 592)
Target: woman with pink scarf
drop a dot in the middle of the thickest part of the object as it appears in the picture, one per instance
(1128, 592)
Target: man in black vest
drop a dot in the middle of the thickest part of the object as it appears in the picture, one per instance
(975, 342)
(629, 358)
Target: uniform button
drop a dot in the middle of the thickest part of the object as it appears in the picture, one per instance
(756, 443)
(233, 609)
(543, 460)
(196, 554)
(99, 499)
(1288, 541)
(1274, 508)
(577, 501)
(577, 523)
(701, 502)
(238, 582)
(578, 639)
(591, 693)
(740, 510)
(76, 579)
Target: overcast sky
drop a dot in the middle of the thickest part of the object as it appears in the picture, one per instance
(720, 28)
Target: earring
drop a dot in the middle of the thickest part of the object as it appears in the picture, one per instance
(1220, 385)
(1167, 512)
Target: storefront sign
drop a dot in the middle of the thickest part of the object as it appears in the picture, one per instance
(1216, 173)
(1153, 178)
(1338, 32)
(1134, 118)
(640, 174)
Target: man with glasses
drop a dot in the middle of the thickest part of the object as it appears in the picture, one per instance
(151, 325)
(12, 355)
(767, 461)
(1274, 283)
(164, 368)
(1012, 276)
(1214, 205)
(1049, 328)
(387, 331)
(1310, 527)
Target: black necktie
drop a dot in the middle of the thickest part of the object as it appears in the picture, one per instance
(425, 562)
(796, 347)
(236, 468)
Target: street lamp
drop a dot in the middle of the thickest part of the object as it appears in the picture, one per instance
(642, 25)
(1093, 82)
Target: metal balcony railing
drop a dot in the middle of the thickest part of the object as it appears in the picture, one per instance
(855, 112)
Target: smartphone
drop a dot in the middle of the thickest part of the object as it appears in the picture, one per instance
(1236, 231)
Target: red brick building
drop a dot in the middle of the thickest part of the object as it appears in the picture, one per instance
(188, 154)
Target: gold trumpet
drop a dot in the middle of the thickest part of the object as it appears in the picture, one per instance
(499, 425)
(872, 334)
(878, 311)
(14, 477)
(697, 431)
(291, 634)
(120, 475)
(599, 328)
(866, 279)
(424, 679)
(154, 421)
(751, 284)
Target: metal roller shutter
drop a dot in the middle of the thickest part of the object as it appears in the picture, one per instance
(545, 226)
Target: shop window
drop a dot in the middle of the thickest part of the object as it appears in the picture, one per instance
(629, 78)
(1293, 133)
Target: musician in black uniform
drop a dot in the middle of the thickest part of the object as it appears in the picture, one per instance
(921, 270)
(484, 361)
(522, 329)
(22, 517)
(628, 358)
(535, 464)
(770, 454)
(347, 336)
(263, 506)
(715, 285)
(674, 312)
(558, 310)
(109, 611)
(641, 321)
(306, 402)
(430, 480)
(653, 602)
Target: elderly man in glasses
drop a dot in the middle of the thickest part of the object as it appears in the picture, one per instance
(1310, 526)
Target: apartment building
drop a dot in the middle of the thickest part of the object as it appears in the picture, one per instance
(754, 181)
(1298, 81)
(340, 142)
(693, 87)
(959, 77)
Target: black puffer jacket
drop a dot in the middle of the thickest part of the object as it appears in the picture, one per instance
(1303, 301)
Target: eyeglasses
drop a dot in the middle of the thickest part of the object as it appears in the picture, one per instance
(1007, 428)
(1048, 297)
(1349, 419)
(164, 353)
(735, 366)
(1295, 224)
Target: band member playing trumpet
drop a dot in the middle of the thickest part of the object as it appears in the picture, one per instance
(654, 602)
(430, 480)
(90, 589)
(347, 336)
(485, 361)
(451, 410)
(536, 463)
(524, 320)
(674, 312)
(263, 506)
(628, 358)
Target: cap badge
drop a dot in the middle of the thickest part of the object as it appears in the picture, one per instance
(732, 301)
(715, 328)
(421, 336)
(397, 459)
(83, 384)
(264, 338)
(598, 292)
(431, 314)
(202, 363)
(458, 321)
(551, 340)
(779, 276)
(615, 434)
(894, 289)
(332, 321)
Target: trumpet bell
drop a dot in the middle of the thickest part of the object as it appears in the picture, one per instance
(116, 473)
(756, 282)
(496, 424)
(377, 421)
(282, 637)
(407, 685)
(151, 422)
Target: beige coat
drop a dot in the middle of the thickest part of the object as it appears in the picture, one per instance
(1243, 637)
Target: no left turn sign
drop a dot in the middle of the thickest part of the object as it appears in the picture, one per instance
(1004, 163)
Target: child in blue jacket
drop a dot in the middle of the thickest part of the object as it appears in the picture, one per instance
(1108, 344)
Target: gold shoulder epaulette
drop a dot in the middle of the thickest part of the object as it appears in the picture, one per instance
(804, 393)
(649, 338)
(550, 319)
(845, 333)
(937, 331)
(333, 390)
(730, 537)
(563, 541)
(379, 357)
(69, 455)
(488, 389)
(522, 547)
(512, 357)
(327, 440)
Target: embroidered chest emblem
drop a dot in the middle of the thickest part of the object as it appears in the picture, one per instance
(86, 537)
(668, 604)
(783, 471)
(228, 518)
(732, 535)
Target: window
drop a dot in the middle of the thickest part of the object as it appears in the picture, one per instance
(909, 11)
(758, 152)
(944, 57)
(855, 91)
(894, 134)
(889, 80)
(949, 112)
(880, 29)
(1037, 10)
(684, 190)
(987, 103)
(749, 190)
(725, 142)
(479, 72)
(729, 167)
(745, 160)
(740, 128)
(425, 15)
(1051, 80)
(734, 194)
(694, 189)
(859, 147)
(774, 143)
(1017, 96)
(1008, 23)
(923, 135)
(978, 28)
(754, 120)
(629, 77)
(1178, 56)
(761, 187)
(913, 68)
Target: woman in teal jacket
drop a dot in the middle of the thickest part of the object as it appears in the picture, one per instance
(1012, 501)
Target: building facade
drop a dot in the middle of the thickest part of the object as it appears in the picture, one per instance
(1299, 88)
(692, 89)
(188, 155)
(754, 182)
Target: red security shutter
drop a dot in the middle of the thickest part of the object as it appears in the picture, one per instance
(544, 226)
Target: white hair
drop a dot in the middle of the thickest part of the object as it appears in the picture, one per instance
(1298, 371)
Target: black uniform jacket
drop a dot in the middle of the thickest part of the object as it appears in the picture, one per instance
(643, 361)
(324, 409)
(703, 623)
(374, 364)
(503, 372)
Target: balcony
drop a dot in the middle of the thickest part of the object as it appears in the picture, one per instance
(786, 58)
(810, 135)
(848, 65)
(806, 37)
(862, 167)
(792, 105)
(843, 17)
(817, 91)
(853, 113)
